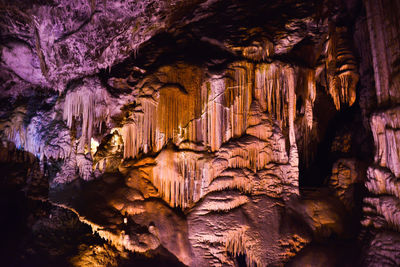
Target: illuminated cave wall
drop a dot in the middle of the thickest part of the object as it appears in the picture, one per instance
(203, 133)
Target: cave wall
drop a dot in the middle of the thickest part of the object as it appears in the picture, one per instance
(213, 133)
(381, 206)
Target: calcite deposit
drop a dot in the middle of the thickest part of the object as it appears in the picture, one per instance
(200, 133)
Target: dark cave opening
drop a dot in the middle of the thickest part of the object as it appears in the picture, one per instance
(241, 260)
(341, 134)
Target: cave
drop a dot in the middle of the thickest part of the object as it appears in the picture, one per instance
(200, 133)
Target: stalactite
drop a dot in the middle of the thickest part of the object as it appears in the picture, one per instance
(310, 97)
(272, 90)
(222, 105)
(238, 95)
(291, 99)
(175, 109)
(84, 104)
(31, 137)
(180, 177)
(306, 93)
(14, 129)
(269, 89)
(81, 104)
(140, 134)
(252, 154)
(238, 242)
(342, 69)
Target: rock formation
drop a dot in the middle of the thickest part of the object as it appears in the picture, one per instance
(202, 133)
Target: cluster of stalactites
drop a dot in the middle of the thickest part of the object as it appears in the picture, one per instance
(214, 113)
(272, 90)
(275, 90)
(170, 113)
(155, 121)
(14, 130)
(175, 109)
(84, 105)
(140, 134)
(167, 102)
(31, 137)
(342, 70)
(225, 109)
(254, 156)
(238, 96)
(239, 242)
(180, 177)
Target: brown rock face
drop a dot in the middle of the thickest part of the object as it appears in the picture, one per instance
(382, 207)
(383, 30)
(210, 133)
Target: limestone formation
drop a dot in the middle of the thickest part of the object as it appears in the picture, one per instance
(200, 133)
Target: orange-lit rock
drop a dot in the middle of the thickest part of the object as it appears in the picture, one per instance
(341, 68)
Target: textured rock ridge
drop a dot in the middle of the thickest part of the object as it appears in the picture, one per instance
(381, 208)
